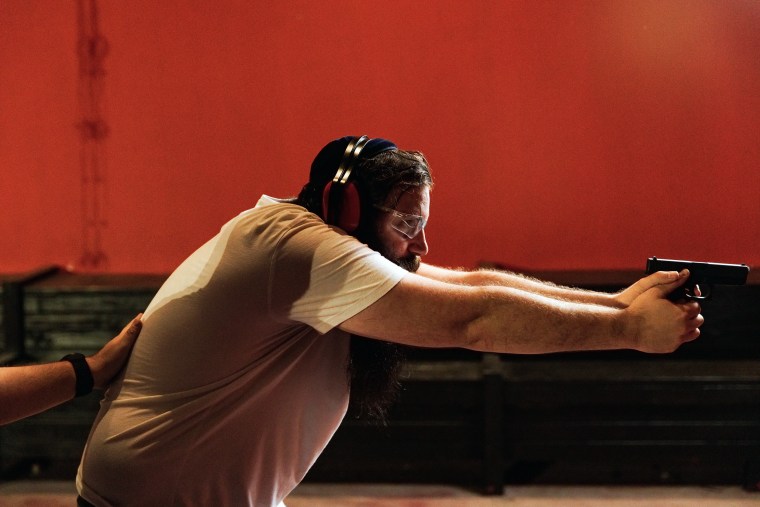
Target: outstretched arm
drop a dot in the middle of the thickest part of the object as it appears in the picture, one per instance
(426, 312)
(487, 277)
(29, 390)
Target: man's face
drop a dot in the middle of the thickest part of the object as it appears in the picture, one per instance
(394, 231)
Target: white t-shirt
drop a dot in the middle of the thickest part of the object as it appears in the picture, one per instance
(238, 379)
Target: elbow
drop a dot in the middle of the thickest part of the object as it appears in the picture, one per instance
(493, 321)
(476, 330)
(477, 336)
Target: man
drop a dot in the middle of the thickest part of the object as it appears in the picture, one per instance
(29, 390)
(242, 372)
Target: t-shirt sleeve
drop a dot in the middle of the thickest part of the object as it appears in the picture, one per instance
(320, 276)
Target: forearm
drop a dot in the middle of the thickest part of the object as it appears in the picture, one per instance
(485, 277)
(523, 322)
(548, 289)
(29, 390)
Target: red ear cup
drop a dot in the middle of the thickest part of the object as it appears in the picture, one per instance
(345, 204)
(350, 210)
(326, 203)
(341, 204)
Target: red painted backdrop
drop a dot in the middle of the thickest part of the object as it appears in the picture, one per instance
(562, 134)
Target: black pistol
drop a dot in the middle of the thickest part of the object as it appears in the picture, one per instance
(704, 274)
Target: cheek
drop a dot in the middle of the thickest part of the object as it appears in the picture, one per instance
(399, 248)
(385, 235)
(392, 245)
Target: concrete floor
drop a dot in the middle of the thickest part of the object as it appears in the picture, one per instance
(62, 494)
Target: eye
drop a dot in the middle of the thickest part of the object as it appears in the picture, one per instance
(412, 223)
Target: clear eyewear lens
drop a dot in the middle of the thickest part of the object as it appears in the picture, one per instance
(406, 224)
(409, 228)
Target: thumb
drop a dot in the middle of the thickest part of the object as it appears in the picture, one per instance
(136, 325)
(668, 281)
(132, 330)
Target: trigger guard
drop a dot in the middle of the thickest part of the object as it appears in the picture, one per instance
(705, 293)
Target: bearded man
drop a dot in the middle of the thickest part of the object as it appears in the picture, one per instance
(251, 349)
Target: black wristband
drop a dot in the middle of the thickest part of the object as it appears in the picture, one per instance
(85, 382)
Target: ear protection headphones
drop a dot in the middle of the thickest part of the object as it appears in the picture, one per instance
(341, 204)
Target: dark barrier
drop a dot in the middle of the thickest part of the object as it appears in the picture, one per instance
(14, 328)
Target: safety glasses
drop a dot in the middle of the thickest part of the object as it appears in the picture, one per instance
(407, 225)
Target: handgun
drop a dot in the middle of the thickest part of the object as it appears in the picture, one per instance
(702, 274)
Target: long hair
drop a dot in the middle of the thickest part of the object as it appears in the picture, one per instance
(374, 366)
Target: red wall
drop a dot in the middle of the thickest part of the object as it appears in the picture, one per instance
(562, 134)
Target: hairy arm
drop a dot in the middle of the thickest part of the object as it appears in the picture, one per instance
(29, 390)
(487, 277)
(427, 312)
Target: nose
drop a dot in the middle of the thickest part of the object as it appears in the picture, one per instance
(418, 245)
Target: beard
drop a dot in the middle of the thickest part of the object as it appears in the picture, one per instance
(374, 369)
(410, 263)
(375, 366)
